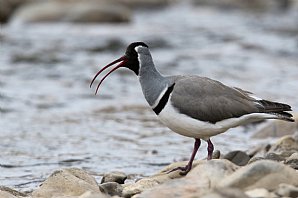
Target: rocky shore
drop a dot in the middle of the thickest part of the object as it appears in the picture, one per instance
(267, 171)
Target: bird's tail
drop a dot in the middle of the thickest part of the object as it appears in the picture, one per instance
(277, 109)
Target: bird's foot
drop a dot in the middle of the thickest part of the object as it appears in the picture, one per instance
(184, 169)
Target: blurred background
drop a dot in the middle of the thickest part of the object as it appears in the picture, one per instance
(50, 51)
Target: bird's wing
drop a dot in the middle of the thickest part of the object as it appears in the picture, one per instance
(211, 101)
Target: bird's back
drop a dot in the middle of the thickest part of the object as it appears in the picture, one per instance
(211, 101)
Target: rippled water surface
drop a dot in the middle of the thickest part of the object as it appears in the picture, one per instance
(50, 119)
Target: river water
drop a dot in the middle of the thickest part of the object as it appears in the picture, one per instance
(51, 119)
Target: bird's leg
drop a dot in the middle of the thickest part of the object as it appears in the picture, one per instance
(210, 149)
(187, 168)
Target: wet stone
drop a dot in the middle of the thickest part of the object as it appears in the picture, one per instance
(258, 151)
(261, 174)
(274, 157)
(140, 186)
(116, 176)
(111, 188)
(216, 154)
(239, 158)
(285, 146)
(286, 190)
(292, 161)
(12, 192)
(254, 159)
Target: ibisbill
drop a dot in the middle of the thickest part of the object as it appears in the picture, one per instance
(194, 106)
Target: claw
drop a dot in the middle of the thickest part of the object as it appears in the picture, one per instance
(184, 169)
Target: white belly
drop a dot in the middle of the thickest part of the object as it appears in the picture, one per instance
(191, 127)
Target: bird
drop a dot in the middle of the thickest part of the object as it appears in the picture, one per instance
(191, 105)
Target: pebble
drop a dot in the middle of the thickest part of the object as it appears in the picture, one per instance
(261, 174)
(111, 188)
(274, 157)
(254, 159)
(116, 176)
(287, 145)
(216, 154)
(139, 186)
(239, 158)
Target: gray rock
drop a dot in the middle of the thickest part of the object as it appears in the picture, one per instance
(259, 151)
(111, 188)
(254, 159)
(67, 182)
(139, 186)
(12, 192)
(274, 157)
(115, 176)
(206, 175)
(216, 154)
(285, 146)
(71, 11)
(261, 174)
(285, 190)
(239, 158)
(292, 161)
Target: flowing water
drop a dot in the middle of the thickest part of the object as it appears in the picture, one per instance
(51, 119)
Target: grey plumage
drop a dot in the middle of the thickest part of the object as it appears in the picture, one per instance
(211, 101)
(200, 97)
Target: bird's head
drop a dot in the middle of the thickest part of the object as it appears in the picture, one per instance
(129, 60)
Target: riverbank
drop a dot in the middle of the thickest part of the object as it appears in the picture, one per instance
(268, 171)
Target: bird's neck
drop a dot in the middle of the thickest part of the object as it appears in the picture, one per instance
(152, 82)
